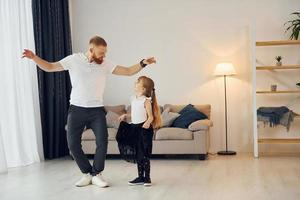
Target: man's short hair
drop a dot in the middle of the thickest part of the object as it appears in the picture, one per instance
(98, 41)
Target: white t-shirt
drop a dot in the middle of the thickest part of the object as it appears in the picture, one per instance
(138, 109)
(88, 79)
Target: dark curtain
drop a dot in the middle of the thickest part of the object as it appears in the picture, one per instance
(53, 42)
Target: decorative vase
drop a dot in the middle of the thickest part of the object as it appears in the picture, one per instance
(279, 63)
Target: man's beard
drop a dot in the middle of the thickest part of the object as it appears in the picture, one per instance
(97, 60)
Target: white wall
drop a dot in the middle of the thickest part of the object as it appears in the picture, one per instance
(188, 38)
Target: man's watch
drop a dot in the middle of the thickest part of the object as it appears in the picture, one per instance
(142, 63)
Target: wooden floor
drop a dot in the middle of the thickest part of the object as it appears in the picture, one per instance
(238, 177)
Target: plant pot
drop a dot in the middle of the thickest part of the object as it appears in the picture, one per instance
(273, 88)
(279, 63)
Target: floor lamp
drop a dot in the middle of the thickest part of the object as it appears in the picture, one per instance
(225, 69)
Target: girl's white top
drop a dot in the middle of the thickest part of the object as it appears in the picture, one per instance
(138, 109)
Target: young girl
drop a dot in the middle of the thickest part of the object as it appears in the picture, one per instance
(135, 139)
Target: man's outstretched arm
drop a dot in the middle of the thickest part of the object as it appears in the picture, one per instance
(43, 64)
(129, 71)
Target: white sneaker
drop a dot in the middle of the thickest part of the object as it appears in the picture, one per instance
(99, 181)
(85, 180)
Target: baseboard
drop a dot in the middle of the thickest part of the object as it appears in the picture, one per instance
(162, 156)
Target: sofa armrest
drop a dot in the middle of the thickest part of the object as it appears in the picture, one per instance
(199, 125)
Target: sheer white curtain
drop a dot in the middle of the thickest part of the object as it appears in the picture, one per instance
(20, 136)
(3, 165)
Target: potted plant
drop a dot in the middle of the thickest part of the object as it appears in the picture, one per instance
(273, 88)
(294, 26)
(278, 59)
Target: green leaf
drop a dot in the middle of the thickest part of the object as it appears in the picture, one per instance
(296, 13)
(295, 27)
(296, 32)
(289, 28)
(288, 22)
(292, 36)
(296, 22)
(296, 35)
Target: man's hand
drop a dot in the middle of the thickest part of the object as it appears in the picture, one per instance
(42, 64)
(28, 54)
(149, 61)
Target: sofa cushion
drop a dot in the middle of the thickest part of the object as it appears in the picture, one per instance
(120, 109)
(187, 116)
(187, 108)
(172, 133)
(202, 108)
(112, 120)
(168, 117)
(88, 134)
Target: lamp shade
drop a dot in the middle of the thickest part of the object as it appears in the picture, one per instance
(224, 69)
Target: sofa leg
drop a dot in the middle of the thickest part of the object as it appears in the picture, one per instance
(202, 156)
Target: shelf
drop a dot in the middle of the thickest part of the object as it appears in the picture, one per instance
(284, 91)
(283, 67)
(295, 117)
(279, 140)
(278, 43)
(278, 92)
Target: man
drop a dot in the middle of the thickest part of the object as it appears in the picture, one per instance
(88, 73)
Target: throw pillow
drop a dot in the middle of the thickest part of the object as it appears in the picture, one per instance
(188, 115)
(168, 117)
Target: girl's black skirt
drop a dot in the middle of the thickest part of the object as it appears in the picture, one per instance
(134, 141)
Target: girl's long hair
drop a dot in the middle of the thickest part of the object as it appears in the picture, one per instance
(148, 84)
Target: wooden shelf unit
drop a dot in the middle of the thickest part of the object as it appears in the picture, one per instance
(277, 92)
(278, 43)
(256, 68)
(283, 67)
(279, 140)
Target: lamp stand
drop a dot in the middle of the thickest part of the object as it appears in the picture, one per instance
(226, 152)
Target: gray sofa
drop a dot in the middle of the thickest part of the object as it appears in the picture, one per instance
(167, 140)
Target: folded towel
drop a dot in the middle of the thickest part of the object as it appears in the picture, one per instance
(274, 114)
(285, 121)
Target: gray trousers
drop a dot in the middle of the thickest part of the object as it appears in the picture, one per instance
(94, 118)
